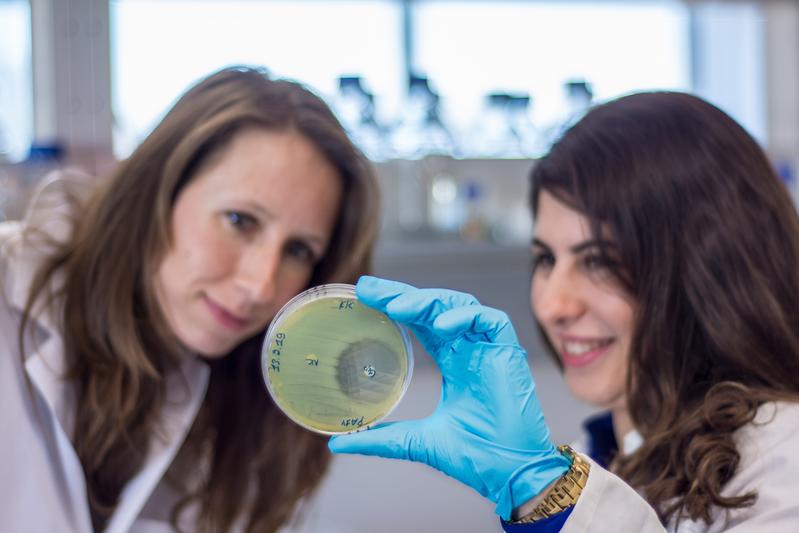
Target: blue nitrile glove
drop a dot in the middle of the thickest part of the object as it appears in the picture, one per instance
(488, 430)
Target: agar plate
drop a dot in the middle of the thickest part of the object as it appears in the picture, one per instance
(334, 365)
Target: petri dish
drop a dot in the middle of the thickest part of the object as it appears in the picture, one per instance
(334, 365)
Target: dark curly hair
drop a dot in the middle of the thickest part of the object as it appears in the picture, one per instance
(708, 239)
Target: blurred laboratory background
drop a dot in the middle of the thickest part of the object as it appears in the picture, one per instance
(453, 101)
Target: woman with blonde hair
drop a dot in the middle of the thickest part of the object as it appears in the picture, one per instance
(133, 313)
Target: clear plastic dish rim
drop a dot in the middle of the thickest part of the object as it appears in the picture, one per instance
(306, 297)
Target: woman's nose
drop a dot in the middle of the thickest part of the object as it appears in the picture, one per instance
(258, 273)
(556, 298)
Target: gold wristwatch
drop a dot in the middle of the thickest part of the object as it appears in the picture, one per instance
(564, 492)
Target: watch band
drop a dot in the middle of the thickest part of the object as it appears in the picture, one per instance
(564, 493)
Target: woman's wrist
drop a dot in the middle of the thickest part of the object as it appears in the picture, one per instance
(558, 495)
(529, 506)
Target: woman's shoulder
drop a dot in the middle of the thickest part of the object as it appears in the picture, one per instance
(768, 467)
(48, 222)
(768, 444)
(776, 425)
(58, 202)
(52, 210)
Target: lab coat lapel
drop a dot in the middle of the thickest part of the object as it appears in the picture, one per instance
(45, 369)
(185, 392)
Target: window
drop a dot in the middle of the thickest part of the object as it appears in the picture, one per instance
(469, 49)
(160, 47)
(466, 48)
(16, 100)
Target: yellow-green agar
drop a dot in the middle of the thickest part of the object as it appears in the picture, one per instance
(334, 365)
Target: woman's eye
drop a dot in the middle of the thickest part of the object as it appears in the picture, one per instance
(240, 221)
(543, 260)
(597, 265)
(301, 251)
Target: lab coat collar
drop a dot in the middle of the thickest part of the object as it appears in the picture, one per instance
(44, 359)
(45, 368)
(185, 391)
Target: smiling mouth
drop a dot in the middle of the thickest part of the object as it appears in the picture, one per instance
(581, 353)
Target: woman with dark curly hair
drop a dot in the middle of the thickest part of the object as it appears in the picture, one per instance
(666, 285)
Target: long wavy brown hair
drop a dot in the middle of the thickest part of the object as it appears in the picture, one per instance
(708, 246)
(259, 464)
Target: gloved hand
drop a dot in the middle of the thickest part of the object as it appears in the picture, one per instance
(488, 430)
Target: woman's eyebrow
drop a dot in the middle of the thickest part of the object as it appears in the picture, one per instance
(579, 247)
(259, 209)
(593, 243)
(539, 243)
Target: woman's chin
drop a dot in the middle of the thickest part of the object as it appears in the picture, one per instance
(211, 348)
(594, 394)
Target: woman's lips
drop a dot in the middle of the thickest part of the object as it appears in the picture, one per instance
(224, 317)
(582, 353)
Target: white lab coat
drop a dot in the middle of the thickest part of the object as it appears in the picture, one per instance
(769, 465)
